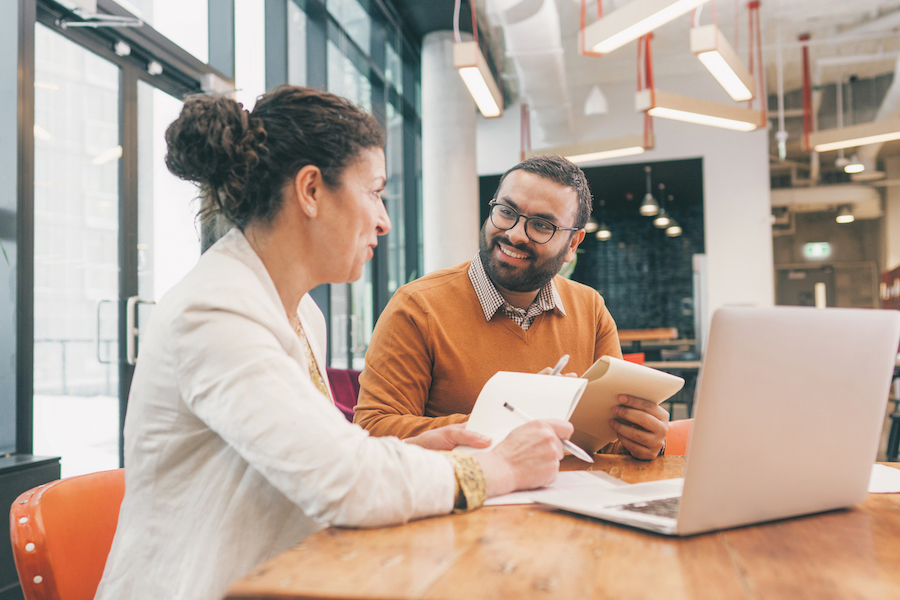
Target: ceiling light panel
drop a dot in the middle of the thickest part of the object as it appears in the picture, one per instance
(601, 150)
(855, 135)
(696, 110)
(632, 21)
(720, 59)
(473, 68)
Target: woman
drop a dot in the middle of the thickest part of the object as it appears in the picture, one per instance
(234, 450)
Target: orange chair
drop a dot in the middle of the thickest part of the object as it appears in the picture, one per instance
(635, 357)
(679, 436)
(61, 533)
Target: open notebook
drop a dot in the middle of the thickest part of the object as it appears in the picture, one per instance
(586, 401)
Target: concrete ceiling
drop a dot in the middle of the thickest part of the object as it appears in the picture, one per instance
(840, 31)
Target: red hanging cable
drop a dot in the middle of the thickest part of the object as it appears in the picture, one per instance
(524, 131)
(584, 50)
(474, 21)
(644, 49)
(761, 82)
(807, 94)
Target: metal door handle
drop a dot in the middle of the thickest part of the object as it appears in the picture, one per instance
(131, 330)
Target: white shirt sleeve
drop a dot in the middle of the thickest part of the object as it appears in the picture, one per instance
(234, 374)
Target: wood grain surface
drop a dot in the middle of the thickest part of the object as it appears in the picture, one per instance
(528, 552)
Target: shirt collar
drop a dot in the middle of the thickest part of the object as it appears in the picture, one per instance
(490, 299)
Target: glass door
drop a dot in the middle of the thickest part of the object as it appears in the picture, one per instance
(76, 250)
(85, 219)
(168, 242)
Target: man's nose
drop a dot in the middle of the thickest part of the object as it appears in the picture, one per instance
(517, 234)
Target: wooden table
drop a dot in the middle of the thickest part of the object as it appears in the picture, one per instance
(527, 552)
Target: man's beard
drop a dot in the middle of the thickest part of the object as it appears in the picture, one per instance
(523, 279)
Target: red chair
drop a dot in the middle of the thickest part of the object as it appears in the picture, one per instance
(679, 437)
(636, 357)
(61, 533)
(344, 389)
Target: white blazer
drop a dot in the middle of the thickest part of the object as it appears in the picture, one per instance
(232, 455)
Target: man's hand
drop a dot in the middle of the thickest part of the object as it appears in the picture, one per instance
(641, 425)
(449, 437)
(548, 370)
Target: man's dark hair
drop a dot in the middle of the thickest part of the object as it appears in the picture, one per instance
(563, 172)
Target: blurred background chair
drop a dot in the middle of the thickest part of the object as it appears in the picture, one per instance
(344, 389)
(679, 436)
(61, 533)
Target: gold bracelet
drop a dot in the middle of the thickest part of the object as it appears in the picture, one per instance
(471, 485)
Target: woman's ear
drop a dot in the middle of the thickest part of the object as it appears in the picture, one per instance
(307, 186)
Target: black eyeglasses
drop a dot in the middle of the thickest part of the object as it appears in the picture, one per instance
(538, 230)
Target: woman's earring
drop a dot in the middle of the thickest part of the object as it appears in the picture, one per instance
(311, 210)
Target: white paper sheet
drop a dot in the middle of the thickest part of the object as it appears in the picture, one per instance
(884, 480)
(566, 480)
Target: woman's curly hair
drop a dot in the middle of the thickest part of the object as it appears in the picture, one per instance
(242, 160)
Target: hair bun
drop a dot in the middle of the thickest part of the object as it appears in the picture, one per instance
(212, 141)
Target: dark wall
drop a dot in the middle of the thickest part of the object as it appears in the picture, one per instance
(645, 277)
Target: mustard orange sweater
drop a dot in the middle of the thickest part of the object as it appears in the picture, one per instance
(433, 350)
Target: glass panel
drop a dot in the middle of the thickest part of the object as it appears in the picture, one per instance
(296, 39)
(185, 22)
(354, 19)
(344, 79)
(393, 199)
(168, 235)
(362, 318)
(393, 69)
(339, 326)
(76, 270)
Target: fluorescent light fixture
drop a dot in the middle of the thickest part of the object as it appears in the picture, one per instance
(603, 233)
(674, 229)
(632, 21)
(114, 153)
(662, 220)
(601, 150)
(855, 135)
(469, 61)
(717, 55)
(854, 165)
(695, 110)
(591, 226)
(649, 207)
(845, 214)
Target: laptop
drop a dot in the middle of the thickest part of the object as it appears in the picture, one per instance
(790, 409)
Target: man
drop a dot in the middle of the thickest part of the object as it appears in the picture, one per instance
(443, 336)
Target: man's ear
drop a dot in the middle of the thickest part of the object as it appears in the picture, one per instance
(573, 244)
(307, 183)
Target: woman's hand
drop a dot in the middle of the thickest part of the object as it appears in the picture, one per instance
(449, 437)
(528, 458)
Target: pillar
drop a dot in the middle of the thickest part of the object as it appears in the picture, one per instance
(450, 214)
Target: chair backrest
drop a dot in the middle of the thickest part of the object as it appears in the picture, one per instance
(61, 533)
(634, 357)
(679, 436)
(344, 389)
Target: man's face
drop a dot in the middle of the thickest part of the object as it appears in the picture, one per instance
(512, 260)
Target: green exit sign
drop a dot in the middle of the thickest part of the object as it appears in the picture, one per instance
(817, 250)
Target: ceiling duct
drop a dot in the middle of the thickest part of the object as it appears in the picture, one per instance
(531, 34)
(866, 201)
(890, 107)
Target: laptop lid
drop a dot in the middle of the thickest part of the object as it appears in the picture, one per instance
(790, 409)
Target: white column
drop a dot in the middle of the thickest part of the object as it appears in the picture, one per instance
(892, 216)
(450, 214)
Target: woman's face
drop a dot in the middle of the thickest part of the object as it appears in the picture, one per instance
(359, 215)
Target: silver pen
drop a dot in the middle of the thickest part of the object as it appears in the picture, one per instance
(560, 364)
(575, 450)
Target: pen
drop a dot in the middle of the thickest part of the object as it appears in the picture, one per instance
(566, 443)
(559, 365)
